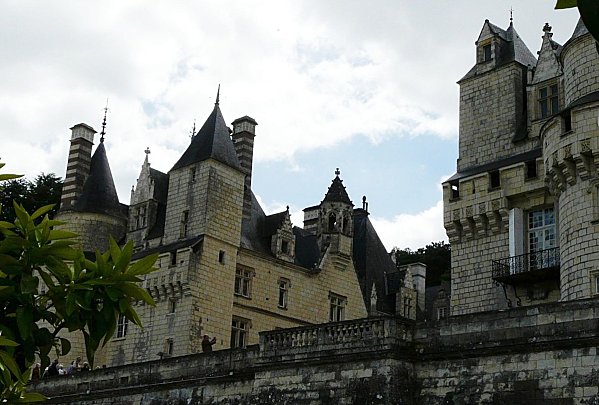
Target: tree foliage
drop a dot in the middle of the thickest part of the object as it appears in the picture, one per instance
(44, 190)
(78, 295)
(436, 256)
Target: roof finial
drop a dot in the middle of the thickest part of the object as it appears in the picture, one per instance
(104, 122)
(147, 152)
(337, 172)
(217, 95)
(511, 15)
(193, 130)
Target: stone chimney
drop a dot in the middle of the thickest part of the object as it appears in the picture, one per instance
(244, 131)
(78, 164)
(418, 271)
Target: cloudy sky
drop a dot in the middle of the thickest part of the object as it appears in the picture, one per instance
(368, 87)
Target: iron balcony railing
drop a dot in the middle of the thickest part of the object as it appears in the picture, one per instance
(517, 265)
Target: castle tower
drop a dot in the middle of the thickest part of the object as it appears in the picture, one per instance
(205, 202)
(80, 152)
(335, 220)
(244, 131)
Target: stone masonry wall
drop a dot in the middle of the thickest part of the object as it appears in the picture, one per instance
(545, 354)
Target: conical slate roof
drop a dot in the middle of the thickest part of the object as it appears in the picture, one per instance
(336, 192)
(211, 141)
(99, 193)
(521, 53)
(579, 31)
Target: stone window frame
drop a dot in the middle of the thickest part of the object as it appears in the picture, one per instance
(169, 347)
(483, 46)
(337, 307)
(531, 174)
(442, 313)
(243, 281)
(549, 98)
(283, 296)
(172, 306)
(494, 179)
(594, 280)
(122, 325)
(594, 191)
(184, 224)
(240, 329)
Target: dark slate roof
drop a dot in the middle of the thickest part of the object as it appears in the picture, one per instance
(471, 171)
(157, 229)
(516, 51)
(579, 31)
(99, 193)
(589, 98)
(337, 193)
(252, 229)
(521, 53)
(168, 248)
(160, 185)
(307, 253)
(273, 222)
(211, 141)
(372, 262)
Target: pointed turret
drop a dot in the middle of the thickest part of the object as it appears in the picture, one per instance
(211, 141)
(99, 193)
(336, 192)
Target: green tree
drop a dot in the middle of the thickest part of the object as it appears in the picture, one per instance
(44, 190)
(79, 295)
(436, 256)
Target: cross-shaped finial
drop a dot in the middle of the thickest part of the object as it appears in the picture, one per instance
(147, 151)
(511, 14)
(337, 172)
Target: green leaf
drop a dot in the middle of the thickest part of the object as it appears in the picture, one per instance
(4, 177)
(136, 292)
(143, 266)
(32, 397)
(24, 322)
(61, 234)
(6, 225)
(65, 346)
(565, 4)
(10, 363)
(29, 284)
(41, 211)
(7, 342)
(115, 251)
(71, 304)
(125, 258)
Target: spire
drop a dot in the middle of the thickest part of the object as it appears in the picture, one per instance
(104, 123)
(211, 141)
(99, 193)
(147, 152)
(336, 192)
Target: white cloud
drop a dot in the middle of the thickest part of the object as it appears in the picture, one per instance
(412, 231)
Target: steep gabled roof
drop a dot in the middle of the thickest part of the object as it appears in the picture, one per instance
(521, 53)
(99, 193)
(211, 141)
(336, 192)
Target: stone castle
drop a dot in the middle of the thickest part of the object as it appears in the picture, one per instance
(522, 216)
(226, 269)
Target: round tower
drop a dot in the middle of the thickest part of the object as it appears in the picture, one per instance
(571, 157)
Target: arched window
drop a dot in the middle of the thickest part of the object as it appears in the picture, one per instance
(332, 221)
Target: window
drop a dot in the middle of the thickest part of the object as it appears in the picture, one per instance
(541, 236)
(221, 257)
(407, 306)
(595, 283)
(243, 282)
(169, 347)
(531, 169)
(548, 101)
(441, 313)
(332, 222)
(193, 174)
(239, 332)
(567, 120)
(184, 223)
(337, 307)
(494, 179)
(173, 257)
(487, 53)
(455, 191)
(172, 306)
(283, 292)
(121, 326)
(284, 246)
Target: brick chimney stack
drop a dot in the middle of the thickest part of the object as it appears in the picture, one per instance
(80, 154)
(244, 131)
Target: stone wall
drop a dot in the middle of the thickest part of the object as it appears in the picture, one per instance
(545, 354)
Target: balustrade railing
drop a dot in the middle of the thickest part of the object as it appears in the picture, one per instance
(361, 331)
(539, 260)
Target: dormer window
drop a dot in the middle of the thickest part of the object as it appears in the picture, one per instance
(486, 53)
(285, 246)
